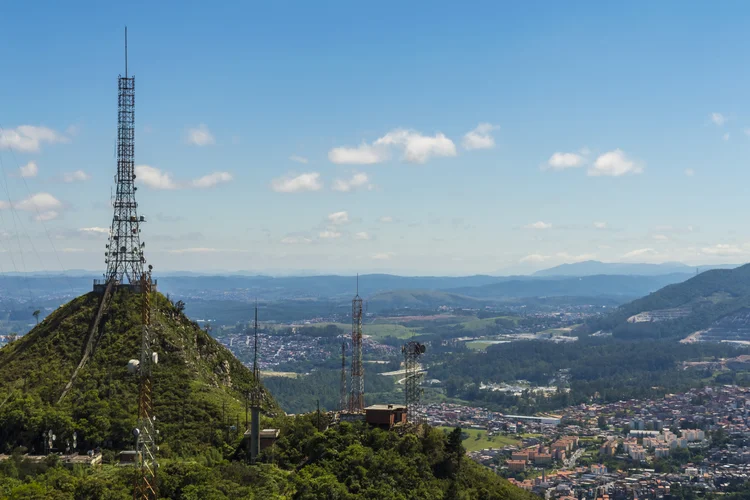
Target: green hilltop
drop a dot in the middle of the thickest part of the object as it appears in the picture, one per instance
(198, 383)
(200, 390)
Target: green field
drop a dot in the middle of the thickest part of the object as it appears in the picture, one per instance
(382, 330)
(480, 345)
(478, 326)
(478, 439)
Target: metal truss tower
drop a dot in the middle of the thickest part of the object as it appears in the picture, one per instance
(124, 255)
(412, 379)
(342, 387)
(145, 483)
(256, 399)
(357, 394)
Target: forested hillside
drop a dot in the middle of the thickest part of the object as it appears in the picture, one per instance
(708, 296)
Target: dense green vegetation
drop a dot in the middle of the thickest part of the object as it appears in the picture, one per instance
(344, 462)
(604, 369)
(199, 385)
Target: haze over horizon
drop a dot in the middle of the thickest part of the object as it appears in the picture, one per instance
(506, 142)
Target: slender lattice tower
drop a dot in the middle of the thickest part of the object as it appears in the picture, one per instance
(145, 482)
(124, 255)
(256, 398)
(412, 379)
(342, 387)
(357, 394)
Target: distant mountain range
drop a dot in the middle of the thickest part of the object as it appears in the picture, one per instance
(594, 267)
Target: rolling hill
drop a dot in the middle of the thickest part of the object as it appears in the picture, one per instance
(197, 381)
(681, 309)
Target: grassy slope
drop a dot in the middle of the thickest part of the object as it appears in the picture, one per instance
(196, 382)
(471, 443)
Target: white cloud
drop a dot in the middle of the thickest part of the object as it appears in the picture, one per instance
(417, 148)
(154, 178)
(641, 252)
(386, 219)
(747, 132)
(480, 137)
(29, 170)
(614, 163)
(362, 155)
(338, 218)
(29, 138)
(538, 225)
(211, 180)
(46, 215)
(725, 136)
(298, 159)
(296, 184)
(600, 225)
(295, 240)
(689, 172)
(660, 237)
(94, 231)
(358, 180)
(561, 161)
(200, 136)
(718, 119)
(78, 175)
(328, 234)
(43, 202)
(383, 255)
(534, 258)
(362, 235)
(722, 250)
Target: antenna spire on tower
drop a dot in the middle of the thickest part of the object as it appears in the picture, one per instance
(126, 51)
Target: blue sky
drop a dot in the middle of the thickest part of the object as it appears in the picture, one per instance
(408, 137)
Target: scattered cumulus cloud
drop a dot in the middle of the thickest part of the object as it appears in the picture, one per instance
(362, 235)
(155, 178)
(298, 159)
(94, 231)
(211, 180)
(614, 163)
(358, 180)
(725, 136)
(29, 170)
(29, 138)
(538, 225)
(39, 201)
(561, 161)
(46, 215)
(480, 137)
(295, 184)
(600, 225)
(718, 119)
(76, 176)
(415, 147)
(329, 234)
(200, 136)
(338, 218)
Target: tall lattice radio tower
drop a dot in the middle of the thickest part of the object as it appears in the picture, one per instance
(357, 394)
(124, 255)
(412, 379)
